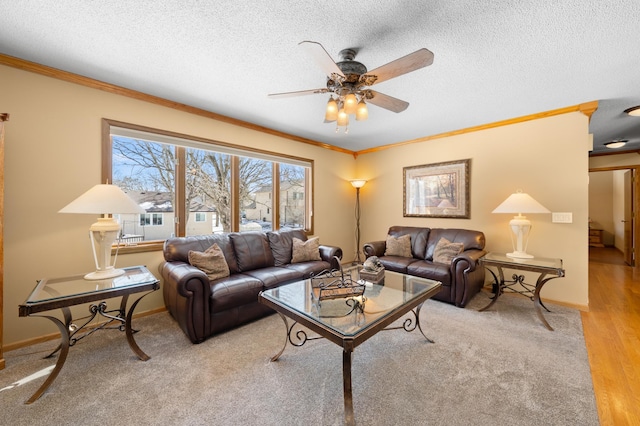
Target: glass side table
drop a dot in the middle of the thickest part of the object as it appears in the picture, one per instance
(62, 293)
(547, 269)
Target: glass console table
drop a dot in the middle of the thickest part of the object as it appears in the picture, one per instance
(62, 293)
(547, 269)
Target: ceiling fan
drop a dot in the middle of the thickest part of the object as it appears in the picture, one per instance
(348, 82)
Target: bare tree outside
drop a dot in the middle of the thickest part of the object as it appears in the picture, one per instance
(144, 166)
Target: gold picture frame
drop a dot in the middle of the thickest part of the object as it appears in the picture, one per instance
(437, 190)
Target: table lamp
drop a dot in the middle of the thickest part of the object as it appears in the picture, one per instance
(106, 200)
(520, 226)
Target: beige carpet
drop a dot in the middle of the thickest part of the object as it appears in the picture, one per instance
(499, 367)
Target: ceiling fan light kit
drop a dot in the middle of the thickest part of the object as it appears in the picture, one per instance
(348, 82)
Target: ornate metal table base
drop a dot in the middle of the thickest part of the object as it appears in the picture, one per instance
(301, 338)
(69, 335)
(517, 284)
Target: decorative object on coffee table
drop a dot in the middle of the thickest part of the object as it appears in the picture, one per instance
(372, 270)
(336, 284)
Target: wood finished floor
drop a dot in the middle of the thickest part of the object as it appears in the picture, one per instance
(612, 336)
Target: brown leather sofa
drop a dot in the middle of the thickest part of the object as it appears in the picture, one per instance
(256, 260)
(461, 280)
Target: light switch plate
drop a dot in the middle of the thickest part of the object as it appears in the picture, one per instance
(562, 217)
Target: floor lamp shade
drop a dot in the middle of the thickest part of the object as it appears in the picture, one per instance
(104, 200)
(520, 226)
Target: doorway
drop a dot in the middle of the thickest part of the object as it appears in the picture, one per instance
(612, 206)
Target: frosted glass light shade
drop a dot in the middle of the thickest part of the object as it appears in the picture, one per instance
(343, 118)
(350, 103)
(358, 183)
(362, 113)
(332, 110)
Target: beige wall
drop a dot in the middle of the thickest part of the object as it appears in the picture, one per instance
(53, 155)
(546, 158)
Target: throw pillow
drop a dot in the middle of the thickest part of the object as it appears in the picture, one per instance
(211, 262)
(445, 251)
(400, 246)
(304, 251)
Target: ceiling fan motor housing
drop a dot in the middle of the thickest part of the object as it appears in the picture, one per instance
(352, 71)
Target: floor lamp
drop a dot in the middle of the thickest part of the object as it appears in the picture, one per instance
(106, 200)
(357, 184)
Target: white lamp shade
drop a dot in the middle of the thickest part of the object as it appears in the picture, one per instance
(103, 199)
(520, 202)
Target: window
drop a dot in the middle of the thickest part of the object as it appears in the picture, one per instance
(293, 185)
(192, 186)
(151, 219)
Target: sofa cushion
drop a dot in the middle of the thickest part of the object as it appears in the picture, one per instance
(430, 270)
(281, 243)
(445, 251)
(274, 276)
(398, 246)
(470, 239)
(252, 250)
(306, 269)
(233, 291)
(305, 251)
(396, 263)
(177, 249)
(211, 262)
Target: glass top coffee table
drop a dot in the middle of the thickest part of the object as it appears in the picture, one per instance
(350, 321)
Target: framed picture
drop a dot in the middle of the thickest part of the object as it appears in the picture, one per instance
(437, 190)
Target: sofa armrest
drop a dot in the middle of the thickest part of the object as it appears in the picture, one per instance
(468, 259)
(466, 275)
(186, 292)
(327, 253)
(374, 248)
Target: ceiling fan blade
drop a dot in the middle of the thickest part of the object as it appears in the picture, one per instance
(386, 101)
(298, 93)
(323, 59)
(413, 61)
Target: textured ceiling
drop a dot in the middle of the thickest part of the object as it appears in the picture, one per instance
(493, 61)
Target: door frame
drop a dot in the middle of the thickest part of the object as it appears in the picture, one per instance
(3, 117)
(635, 189)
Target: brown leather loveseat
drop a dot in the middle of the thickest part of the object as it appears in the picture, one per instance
(462, 277)
(256, 261)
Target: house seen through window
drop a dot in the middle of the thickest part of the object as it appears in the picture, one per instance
(194, 186)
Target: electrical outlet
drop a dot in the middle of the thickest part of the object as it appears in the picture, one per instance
(562, 217)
